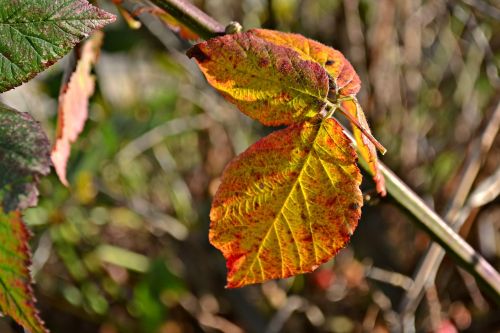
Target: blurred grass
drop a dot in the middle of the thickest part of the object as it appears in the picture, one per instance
(125, 249)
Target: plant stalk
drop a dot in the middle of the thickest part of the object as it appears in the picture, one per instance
(192, 17)
(442, 233)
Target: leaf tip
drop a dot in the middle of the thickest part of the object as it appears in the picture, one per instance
(380, 184)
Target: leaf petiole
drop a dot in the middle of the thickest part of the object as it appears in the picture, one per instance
(331, 108)
(356, 123)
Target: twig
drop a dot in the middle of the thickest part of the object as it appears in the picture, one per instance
(392, 278)
(155, 219)
(426, 218)
(158, 134)
(292, 304)
(192, 17)
(484, 8)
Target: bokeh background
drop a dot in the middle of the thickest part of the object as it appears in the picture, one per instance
(125, 249)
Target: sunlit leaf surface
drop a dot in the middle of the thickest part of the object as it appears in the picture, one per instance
(287, 204)
(346, 83)
(268, 82)
(334, 62)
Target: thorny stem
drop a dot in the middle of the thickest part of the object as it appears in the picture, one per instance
(425, 217)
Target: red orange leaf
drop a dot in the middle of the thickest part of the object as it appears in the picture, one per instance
(347, 84)
(287, 204)
(73, 102)
(365, 147)
(270, 83)
(16, 295)
(337, 66)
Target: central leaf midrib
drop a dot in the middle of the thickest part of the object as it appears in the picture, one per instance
(20, 311)
(271, 225)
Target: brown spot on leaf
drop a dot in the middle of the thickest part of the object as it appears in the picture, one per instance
(264, 62)
(197, 53)
(354, 206)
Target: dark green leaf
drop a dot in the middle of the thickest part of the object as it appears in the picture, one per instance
(24, 157)
(34, 34)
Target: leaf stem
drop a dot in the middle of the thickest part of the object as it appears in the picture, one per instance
(356, 123)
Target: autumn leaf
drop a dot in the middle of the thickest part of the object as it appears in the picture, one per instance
(346, 83)
(338, 67)
(365, 147)
(292, 200)
(287, 204)
(34, 34)
(16, 296)
(24, 158)
(268, 82)
(74, 101)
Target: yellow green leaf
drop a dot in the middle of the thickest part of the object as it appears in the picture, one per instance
(334, 62)
(287, 204)
(16, 295)
(346, 83)
(270, 83)
(365, 147)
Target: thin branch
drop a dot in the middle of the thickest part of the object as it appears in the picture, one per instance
(192, 17)
(437, 228)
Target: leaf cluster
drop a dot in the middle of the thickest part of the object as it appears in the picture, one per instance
(292, 200)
